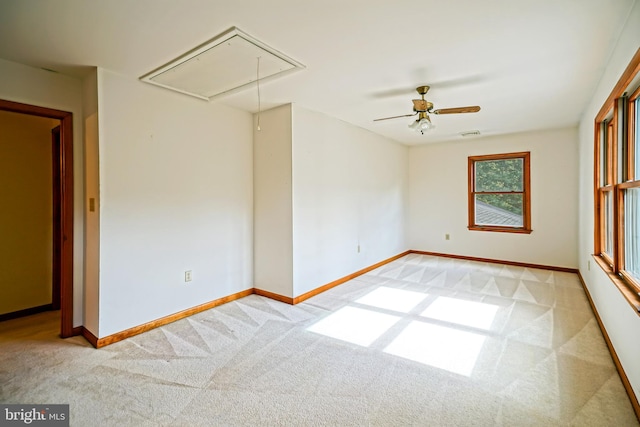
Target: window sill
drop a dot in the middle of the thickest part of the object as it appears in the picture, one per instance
(625, 289)
(500, 229)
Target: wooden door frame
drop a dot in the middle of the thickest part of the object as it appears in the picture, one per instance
(58, 238)
(66, 201)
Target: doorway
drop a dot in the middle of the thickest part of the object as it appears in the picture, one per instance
(62, 179)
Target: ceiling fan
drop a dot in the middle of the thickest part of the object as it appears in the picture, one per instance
(423, 108)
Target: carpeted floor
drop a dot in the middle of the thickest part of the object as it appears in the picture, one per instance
(420, 341)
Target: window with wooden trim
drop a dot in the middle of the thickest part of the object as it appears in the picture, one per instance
(499, 193)
(617, 183)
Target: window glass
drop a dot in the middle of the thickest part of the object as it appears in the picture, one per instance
(499, 209)
(499, 175)
(637, 139)
(632, 232)
(604, 154)
(608, 223)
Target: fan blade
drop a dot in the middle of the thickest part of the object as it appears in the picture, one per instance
(395, 117)
(473, 109)
(419, 104)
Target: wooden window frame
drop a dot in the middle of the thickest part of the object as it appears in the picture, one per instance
(613, 116)
(526, 193)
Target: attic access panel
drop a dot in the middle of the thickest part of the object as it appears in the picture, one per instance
(225, 64)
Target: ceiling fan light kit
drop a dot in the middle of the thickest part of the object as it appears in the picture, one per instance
(422, 124)
(423, 108)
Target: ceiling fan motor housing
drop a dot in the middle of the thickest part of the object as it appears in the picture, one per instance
(421, 105)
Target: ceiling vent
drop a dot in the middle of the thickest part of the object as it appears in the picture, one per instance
(223, 65)
(470, 133)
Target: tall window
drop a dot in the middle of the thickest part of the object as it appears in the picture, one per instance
(617, 182)
(499, 193)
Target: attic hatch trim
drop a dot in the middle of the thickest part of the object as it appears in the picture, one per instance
(177, 65)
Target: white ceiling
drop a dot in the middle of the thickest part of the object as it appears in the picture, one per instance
(530, 64)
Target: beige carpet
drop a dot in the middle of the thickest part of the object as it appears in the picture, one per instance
(421, 341)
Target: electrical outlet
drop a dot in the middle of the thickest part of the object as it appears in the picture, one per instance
(358, 248)
(188, 276)
(589, 265)
(446, 236)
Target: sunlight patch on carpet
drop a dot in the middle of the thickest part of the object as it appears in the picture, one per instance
(444, 348)
(393, 299)
(462, 312)
(355, 325)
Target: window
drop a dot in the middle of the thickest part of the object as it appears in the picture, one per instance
(617, 183)
(499, 193)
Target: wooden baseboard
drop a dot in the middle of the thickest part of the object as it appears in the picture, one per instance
(272, 295)
(101, 342)
(319, 290)
(623, 376)
(26, 312)
(497, 261)
(344, 279)
(93, 340)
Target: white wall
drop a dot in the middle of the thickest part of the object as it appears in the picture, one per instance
(349, 189)
(620, 320)
(20, 83)
(273, 241)
(26, 216)
(439, 190)
(175, 195)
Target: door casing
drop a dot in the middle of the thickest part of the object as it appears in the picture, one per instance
(64, 163)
